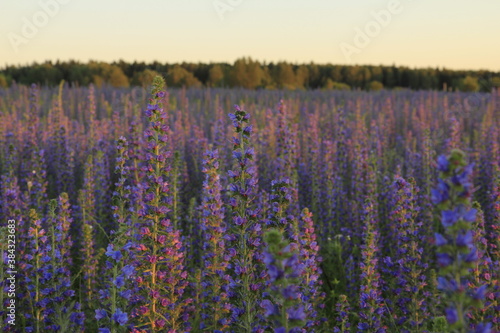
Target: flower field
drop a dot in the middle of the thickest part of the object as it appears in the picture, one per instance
(231, 210)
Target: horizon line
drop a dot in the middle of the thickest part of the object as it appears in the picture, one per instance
(262, 62)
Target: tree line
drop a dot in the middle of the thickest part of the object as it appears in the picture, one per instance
(250, 74)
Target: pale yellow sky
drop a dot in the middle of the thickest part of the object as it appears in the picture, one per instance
(455, 34)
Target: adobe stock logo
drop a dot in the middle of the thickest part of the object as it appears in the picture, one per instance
(372, 29)
(31, 26)
(223, 6)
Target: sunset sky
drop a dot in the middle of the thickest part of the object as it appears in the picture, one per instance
(455, 34)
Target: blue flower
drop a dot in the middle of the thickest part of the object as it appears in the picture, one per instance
(363, 326)
(128, 270)
(483, 328)
(440, 240)
(117, 255)
(270, 308)
(291, 292)
(128, 246)
(463, 177)
(441, 193)
(100, 313)
(443, 164)
(465, 239)
(472, 255)
(451, 315)
(77, 318)
(104, 293)
(126, 294)
(153, 107)
(470, 215)
(296, 313)
(274, 272)
(480, 293)
(120, 317)
(449, 218)
(444, 259)
(119, 281)
(446, 285)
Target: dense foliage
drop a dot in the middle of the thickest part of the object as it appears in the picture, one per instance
(215, 210)
(250, 74)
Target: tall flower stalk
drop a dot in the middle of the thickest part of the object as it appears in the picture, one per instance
(117, 291)
(215, 279)
(457, 253)
(245, 227)
(161, 275)
(86, 200)
(60, 311)
(311, 282)
(371, 302)
(407, 267)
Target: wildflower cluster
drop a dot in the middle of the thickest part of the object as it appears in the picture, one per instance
(173, 239)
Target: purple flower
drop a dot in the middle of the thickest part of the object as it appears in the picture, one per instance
(444, 259)
(480, 293)
(119, 281)
(469, 215)
(443, 164)
(239, 220)
(440, 240)
(126, 294)
(100, 313)
(296, 313)
(270, 308)
(154, 107)
(128, 270)
(103, 294)
(449, 218)
(483, 328)
(465, 239)
(446, 285)
(451, 315)
(274, 272)
(441, 193)
(463, 178)
(291, 292)
(472, 256)
(363, 326)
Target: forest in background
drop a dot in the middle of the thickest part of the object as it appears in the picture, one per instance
(250, 74)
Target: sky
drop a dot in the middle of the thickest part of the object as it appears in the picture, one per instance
(456, 34)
